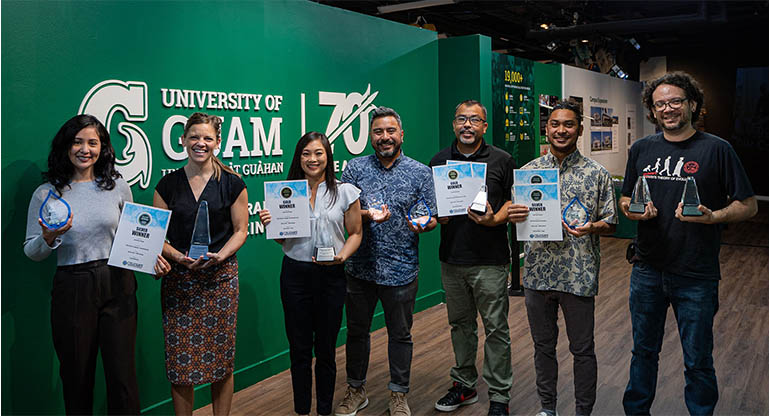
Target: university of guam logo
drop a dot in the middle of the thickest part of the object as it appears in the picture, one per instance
(346, 109)
(129, 98)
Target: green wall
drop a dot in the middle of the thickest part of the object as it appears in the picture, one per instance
(55, 53)
(547, 81)
(464, 73)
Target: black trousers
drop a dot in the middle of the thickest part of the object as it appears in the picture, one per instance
(93, 307)
(312, 297)
(578, 311)
(398, 307)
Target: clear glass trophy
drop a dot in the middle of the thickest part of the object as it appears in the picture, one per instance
(374, 203)
(419, 214)
(690, 198)
(201, 238)
(479, 204)
(55, 211)
(575, 214)
(640, 197)
(323, 246)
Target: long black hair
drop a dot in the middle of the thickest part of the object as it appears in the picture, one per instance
(60, 168)
(296, 172)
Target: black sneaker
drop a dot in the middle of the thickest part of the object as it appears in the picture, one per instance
(458, 396)
(498, 409)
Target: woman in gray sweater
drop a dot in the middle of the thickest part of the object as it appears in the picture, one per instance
(93, 305)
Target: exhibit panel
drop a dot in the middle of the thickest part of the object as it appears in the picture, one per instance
(613, 115)
(271, 70)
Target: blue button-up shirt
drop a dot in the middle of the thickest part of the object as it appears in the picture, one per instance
(388, 251)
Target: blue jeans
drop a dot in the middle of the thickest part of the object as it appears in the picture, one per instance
(695, 302)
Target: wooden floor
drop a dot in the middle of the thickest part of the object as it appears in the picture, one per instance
(740, 353)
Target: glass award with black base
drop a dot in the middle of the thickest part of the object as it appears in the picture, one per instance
(419, 214)
(323, 246)
(55, 211)
(690, 199)
(201, 237)
(640, 197)
(479, 204)
(575, 214)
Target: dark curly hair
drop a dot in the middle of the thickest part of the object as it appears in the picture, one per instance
(683, 80)
(296, 172)
(570, 105)
(60, 168)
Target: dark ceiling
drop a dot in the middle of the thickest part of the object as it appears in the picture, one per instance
(661, 28)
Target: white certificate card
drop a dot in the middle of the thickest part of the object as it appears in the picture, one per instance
(539, 190)
(139, 238)
(289, 206)
(455, 188)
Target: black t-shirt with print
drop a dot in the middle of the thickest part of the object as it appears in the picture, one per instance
(688, 249)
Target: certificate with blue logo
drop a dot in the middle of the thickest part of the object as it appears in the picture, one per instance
(455, 186)
(289, 206)
(539, 190)
(139, 238)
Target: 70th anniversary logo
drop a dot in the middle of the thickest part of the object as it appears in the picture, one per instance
(135, 160)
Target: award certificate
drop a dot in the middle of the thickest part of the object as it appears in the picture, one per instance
(455, 188)
(139, 238)
(544, 202)
(289, 205)
(533, 176)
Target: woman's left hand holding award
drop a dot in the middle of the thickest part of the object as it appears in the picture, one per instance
(54, 217)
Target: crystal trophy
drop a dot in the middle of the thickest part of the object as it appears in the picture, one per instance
(55, 211)
(323, 246)
(201, 238)
(419, 214)
(479, 204)
(374, 203)
(690, 198)
(575, 214)
(640, 197)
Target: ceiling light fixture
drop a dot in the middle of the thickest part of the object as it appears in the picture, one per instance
(544, 26)
(413, 5)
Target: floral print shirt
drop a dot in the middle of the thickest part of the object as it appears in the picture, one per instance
(572, 265)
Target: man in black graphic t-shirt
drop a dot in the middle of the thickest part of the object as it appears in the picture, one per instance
(679, 255)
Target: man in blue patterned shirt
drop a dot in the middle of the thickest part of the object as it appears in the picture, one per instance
(565, 273)
(385, 267)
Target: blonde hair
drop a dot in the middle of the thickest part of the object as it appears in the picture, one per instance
(216, 123)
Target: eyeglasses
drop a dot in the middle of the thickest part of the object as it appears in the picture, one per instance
(674, 103)
(476, 121)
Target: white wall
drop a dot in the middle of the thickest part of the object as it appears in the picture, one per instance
(618, 93)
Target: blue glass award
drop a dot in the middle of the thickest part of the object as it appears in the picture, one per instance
(201, 238)
(575, 214)
(419, 214)
(55, 211)
(690, 198)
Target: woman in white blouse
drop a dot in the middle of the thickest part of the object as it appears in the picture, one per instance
(313, 292)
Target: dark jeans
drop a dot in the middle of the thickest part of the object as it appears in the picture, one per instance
(695, 302)
(398, 306)
(93, 307)
(312, 297)
(578, 311)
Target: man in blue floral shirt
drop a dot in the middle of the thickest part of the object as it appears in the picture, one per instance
(565, 273)
(385, 267)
